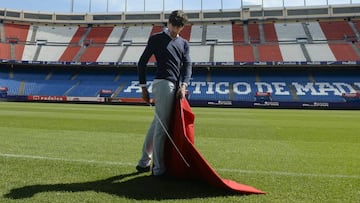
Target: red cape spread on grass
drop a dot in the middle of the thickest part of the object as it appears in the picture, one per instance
(182, 132)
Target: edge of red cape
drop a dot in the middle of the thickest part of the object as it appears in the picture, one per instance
(182, 132)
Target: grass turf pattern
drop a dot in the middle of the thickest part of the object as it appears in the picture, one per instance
(87, 153)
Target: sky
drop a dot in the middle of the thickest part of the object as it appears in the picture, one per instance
(112, 6)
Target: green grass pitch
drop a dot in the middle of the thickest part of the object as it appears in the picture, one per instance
(87, 153)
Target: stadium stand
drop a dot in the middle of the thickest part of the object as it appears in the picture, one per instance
(238, 33)
(244, 53)
(270, 32)
(253, 33)
(337, 30)
(231, 57)
(269, 52)
(344, 52)
(196, 34)
(219, 32)
(292, 52)
(289, 32)
(320, 52)
(316, 31)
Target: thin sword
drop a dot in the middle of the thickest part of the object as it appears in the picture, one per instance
(171, 140)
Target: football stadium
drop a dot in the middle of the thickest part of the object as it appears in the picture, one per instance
(275, 91)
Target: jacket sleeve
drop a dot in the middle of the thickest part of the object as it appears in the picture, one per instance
(187, 67)
(144, 59)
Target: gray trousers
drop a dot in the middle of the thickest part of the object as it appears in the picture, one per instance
(153, 149)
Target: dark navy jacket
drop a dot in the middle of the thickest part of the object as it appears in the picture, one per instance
(172, 57)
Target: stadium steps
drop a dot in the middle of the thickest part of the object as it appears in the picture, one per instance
(312, 78)
(33, 36)
(80, 53)
(353, 27)
(121, 57)
(72, 88)
(123, 34)
(117, 77)
(246, 33)
(49, 75)
(256, 53)
(118, 90)
(12, 51)
(11, 73)
(262, 34)
(308, 34)
(356, 49)
(37, 52)
(22, 88)
(293, 92)
(305, 52)
(212, 50)
(2, 33)
(83, 48)
(203, 36)
(231, 91)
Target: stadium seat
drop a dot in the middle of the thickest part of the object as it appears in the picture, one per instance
(223, 53)
(270, 32)
(336, 30)
(220, 32)
(292, 52)
(289, 31)
(254, 33)
(200, 53)
(196, 33)
(238, 33)
(243, 53)
(343, 52)
(269, 53)
(315, 31)
(5, 51)
(320, 52)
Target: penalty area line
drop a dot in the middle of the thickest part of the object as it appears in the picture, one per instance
(272, 173)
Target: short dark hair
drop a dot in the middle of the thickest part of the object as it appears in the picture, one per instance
(178, 18)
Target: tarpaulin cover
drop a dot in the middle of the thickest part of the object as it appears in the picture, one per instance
(193, 165)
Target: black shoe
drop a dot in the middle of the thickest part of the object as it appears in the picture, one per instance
(164, 176)
(142, 169)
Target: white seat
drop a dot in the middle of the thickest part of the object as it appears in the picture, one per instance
(320, 52)
(200, 53)
(292, 52)
(316, 32)
(289, 31)
(223, 53)
(138, 34)
(219, 32)
(133, 53)
(110, 54)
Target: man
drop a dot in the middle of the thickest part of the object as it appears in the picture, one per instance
(172, 76)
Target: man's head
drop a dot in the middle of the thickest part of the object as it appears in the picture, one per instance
(177, 20)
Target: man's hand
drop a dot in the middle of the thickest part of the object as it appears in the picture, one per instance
(182, 91)
(145, 95)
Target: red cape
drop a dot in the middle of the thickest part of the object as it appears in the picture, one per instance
(182, 132)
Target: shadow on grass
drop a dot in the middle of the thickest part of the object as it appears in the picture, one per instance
(137, 187)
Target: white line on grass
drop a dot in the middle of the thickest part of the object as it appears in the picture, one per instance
(22, 156)
(277, 173)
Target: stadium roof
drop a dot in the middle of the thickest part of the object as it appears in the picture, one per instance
(111, 6)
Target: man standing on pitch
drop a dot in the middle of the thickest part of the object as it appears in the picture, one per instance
(172, 76)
